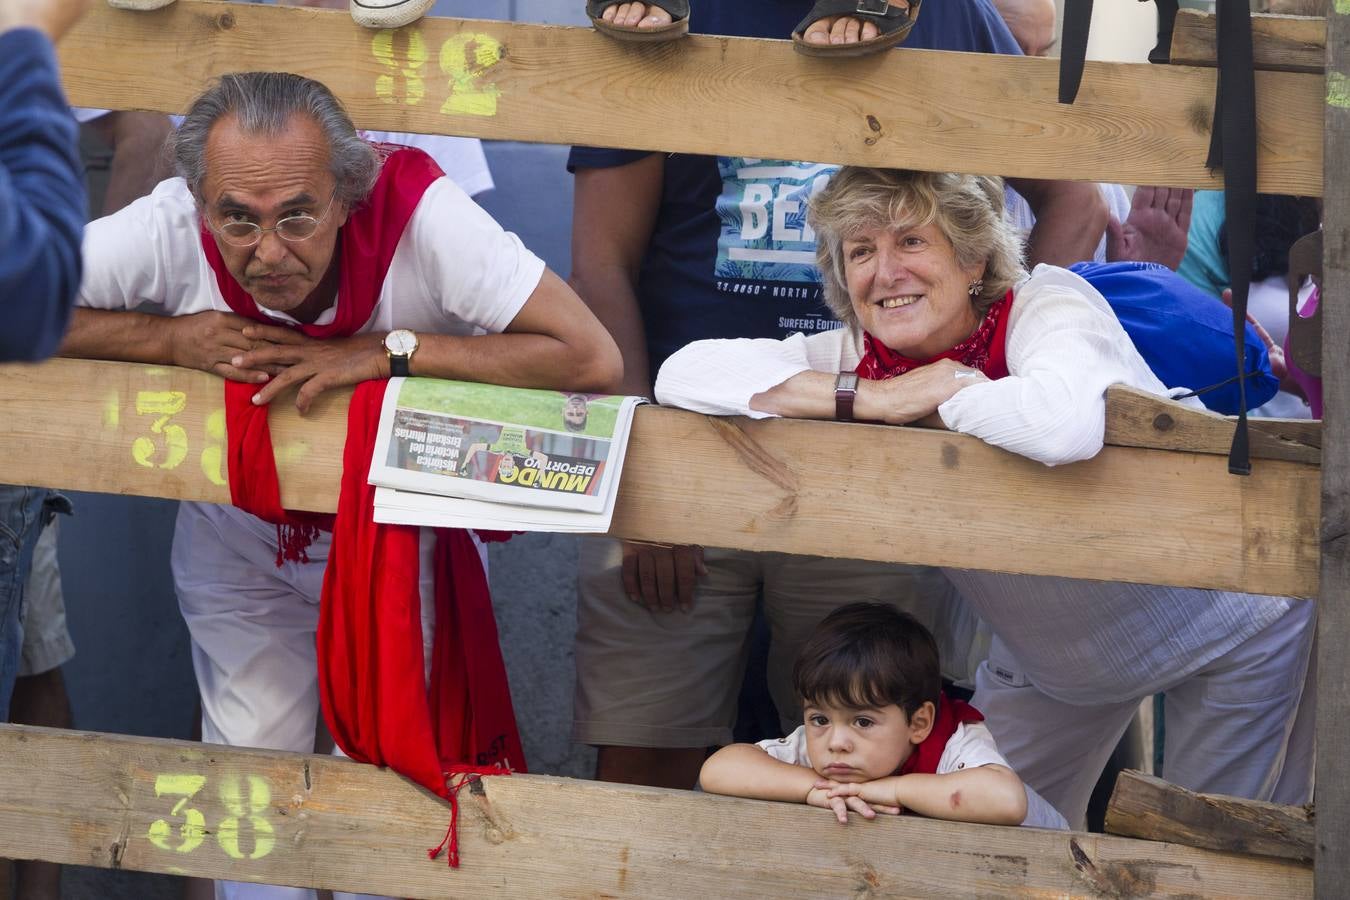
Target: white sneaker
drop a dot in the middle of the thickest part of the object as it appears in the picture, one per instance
(380, 13)
(142, 5)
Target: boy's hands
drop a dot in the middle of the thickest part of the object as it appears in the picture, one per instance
(866, 799)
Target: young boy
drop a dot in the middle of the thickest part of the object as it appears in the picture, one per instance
(879, 735)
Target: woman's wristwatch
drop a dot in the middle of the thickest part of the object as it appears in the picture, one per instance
(845, 392)
(400, 344)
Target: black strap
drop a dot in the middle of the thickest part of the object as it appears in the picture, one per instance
(1073, 41)
(1232, 147)
(1255, 373)
(1167, 17)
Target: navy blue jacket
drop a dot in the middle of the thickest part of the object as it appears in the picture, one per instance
(42, 199)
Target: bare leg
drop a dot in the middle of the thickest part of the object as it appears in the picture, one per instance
(655, 767)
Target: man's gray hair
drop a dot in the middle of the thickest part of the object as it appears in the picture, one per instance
(264, 103)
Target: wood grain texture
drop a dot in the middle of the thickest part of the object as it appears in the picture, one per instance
(979, 113)
(1333, 624)
(1140, 419)
(90, 799)
(1130, 514)
(1149, 808)
(1279, 43)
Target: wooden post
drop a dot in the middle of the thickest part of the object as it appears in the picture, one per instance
(1333, 656)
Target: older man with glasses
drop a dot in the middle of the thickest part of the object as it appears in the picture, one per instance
(291, 253)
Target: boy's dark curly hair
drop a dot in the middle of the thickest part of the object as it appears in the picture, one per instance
(868, 655)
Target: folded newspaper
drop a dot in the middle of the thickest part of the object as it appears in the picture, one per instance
(459, 455)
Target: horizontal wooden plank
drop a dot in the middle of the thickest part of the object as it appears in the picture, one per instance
(285, 818)
(1146, 807)
(1139, 419)
(1130, 514)
(980, 113)
(1279, 43)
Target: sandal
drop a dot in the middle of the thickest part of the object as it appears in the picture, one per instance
(678, 27)
(893, 21)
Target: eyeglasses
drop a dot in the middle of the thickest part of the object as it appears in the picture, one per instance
(291, 228)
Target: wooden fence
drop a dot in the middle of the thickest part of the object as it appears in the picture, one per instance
(1162, 506)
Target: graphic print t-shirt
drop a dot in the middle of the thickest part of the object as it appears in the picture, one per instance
(731, 254)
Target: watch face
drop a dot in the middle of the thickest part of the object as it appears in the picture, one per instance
(401, 342)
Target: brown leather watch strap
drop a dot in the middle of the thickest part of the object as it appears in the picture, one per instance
(845, 392)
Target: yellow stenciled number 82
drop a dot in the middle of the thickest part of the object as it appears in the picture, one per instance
(259, 797)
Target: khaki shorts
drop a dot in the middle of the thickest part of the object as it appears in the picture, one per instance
(671, 680)
(46, 640)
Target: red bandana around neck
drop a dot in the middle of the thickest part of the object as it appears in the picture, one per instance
(364, 246)
(371, 663)
(951, 714)
(985, 350)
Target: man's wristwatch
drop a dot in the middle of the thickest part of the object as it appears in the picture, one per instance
(845, 391)
(400, 344)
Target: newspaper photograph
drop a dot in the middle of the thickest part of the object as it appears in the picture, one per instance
(531, 448)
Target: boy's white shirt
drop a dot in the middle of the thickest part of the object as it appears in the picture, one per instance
(970, 747)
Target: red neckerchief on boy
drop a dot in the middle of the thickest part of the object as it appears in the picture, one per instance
(985, 350)
(951, 714)
(371, 677)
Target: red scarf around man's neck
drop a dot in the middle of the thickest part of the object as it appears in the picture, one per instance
(371, 662)
(951, 714)
(985, 350)
(364, 246)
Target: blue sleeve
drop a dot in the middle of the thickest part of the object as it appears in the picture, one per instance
(1184, 334)
(967, 26)
(599, 158)
(42, 199)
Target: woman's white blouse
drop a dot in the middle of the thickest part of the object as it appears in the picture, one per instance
(1064, 349)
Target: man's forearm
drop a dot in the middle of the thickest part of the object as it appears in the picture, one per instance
(514, 360)
(120, 335)
(139, 161)
(610, 295)
(1070, 220)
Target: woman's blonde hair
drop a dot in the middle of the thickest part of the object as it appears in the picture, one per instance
(967, 209)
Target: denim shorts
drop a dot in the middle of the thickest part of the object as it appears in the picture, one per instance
(21, 511)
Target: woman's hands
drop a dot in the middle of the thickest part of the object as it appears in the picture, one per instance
(915, 395)
(896, 401)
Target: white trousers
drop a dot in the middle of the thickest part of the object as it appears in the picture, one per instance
(253, 628)
(1241, 725)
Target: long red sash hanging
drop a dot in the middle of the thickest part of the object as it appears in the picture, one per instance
(371, 662)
